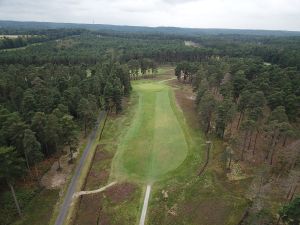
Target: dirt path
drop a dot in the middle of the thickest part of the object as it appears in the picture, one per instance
(77, 194)
(145, 205)
(73, 184)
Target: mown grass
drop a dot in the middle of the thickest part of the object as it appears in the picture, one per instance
(154, 144)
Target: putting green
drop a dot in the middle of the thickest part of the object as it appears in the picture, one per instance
(154, 144)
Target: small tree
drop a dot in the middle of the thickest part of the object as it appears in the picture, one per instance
(227, 156)
(38, 125)
(247, 126)
(86, 113)
(243, 104)
(276, 127)
(32, 149)
(73, 147)
(290, 213)
(207, 108)
(225, 114)
(54, 131)
(11, 167)
(69, 133)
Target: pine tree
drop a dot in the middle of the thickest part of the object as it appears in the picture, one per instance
(11, 167)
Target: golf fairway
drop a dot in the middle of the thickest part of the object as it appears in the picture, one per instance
(154, 144)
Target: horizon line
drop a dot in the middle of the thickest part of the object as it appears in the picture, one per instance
(153, 27)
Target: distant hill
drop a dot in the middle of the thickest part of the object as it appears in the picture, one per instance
(135, 29)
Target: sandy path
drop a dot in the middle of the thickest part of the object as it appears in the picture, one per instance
(77, 194)
(145, 205)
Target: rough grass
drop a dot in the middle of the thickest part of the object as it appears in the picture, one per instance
(154, 144)
(120, 204)
(36, 205)
(204, 200)
(37, 211)
(117, 205)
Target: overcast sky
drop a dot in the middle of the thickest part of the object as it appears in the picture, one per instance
(248, 14)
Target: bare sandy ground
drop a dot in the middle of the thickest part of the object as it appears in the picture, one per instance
(54, 179)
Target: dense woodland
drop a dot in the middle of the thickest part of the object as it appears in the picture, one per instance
(255, 108)
(54, 88)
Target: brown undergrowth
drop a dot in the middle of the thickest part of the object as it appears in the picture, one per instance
(118, 204)
(204, 200)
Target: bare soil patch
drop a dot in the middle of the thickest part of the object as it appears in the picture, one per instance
(120, 192)
(102, 154)
(90, 207)
(54, 179)
(93, 209)
(192, 44)
(185, 98)
(210, 211)
(99, 172)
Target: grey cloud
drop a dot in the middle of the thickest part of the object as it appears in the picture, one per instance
(261, 14)
(179, 1)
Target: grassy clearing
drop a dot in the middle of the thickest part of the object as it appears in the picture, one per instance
(9, 36)
(164, 69)
(153, 140)
(161, 71)
(12, 36)
(122, 205)
(154, 143)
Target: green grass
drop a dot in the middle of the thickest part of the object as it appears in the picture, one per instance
(152, 141)
(155, 143)
(196, 200)
(164, 70)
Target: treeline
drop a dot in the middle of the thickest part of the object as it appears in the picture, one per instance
(20, 41)
(30, 95)
(142, 68)
(30, 37)
(159, 46)
(264, 98)
(89, 49)
(255, 108)
(283, 51)
(42, 110)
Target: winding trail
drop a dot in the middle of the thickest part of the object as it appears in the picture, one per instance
(73, 184)
(77, 194)
(145, 205)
